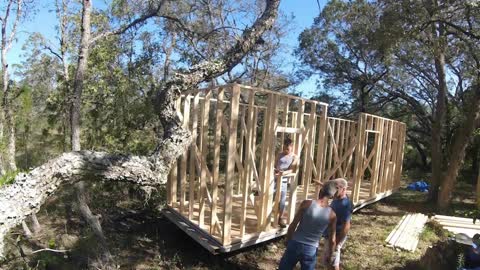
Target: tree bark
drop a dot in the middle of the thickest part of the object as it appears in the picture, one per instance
(63, 22)
(76, 98)
(75, 115)
(439, 116)
(10, 123)
(478, 190)
(7, 116)
(35, 224)
(30, 191)
(459, 145)
(91, 219)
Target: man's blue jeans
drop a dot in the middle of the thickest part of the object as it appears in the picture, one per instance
(298, 252)
(283, 195)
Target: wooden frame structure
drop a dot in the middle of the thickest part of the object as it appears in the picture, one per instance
(221, 191)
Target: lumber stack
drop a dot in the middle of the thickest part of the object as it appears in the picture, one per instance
(458, 225)
(405, 235)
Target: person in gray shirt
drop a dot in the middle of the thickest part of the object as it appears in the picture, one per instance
(311, 220)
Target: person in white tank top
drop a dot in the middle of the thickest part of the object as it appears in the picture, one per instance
(285, 164)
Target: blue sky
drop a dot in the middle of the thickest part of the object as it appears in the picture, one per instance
(44, 22)
(304, 11)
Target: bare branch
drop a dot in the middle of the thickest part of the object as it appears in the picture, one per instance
(133, 23)
(456, 27)
(51, 250)
(53, 52)
(15, 24)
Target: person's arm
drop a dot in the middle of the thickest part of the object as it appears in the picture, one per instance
(293, 166)
(345, 225)
(276, 170)
(343, 232)
(298, 216)
(331, 235)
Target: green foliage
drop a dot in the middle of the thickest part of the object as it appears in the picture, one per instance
(8, 177)
(52, 243)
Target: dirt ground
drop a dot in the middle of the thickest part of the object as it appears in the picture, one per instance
(140, 238)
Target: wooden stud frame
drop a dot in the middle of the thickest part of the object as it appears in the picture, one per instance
(223, 186)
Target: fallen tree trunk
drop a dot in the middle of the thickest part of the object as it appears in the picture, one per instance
(30, 191)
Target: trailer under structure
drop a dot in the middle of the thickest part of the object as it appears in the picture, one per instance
(221, 190)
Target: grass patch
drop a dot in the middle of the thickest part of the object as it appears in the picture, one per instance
(8, 177)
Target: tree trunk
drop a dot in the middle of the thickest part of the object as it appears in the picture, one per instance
(6, 42)
(439, 118)
(168, 53)
(10, 121)
(65, 111)
(92, 220)
(35, 224)
(5, 104)
(459, 145)
(29, 191)
(75, 122)
(76, 101)
(478, 190)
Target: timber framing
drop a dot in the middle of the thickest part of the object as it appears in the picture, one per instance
(221, 190)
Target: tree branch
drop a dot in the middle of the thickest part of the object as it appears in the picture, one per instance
(29, 191)
(133, 23)
(15, 24)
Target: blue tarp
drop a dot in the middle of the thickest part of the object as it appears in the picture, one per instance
(421, 186)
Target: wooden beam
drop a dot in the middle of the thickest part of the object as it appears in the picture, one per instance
(280, 94)
(387, 171)
(183, 161)
(263, 163)
(358, 173)
(336, 144)
(393, 155)
(290, 130)
(341, 144)
(240, 149)
(204, 113)
(270, 164)
(216, 157)
(173, 185)
(347, 146)
(297, 122)
(309, 147)
(321, 133)
(248, 175)
(347, 155)
(400, 153)
(230, 174)
(378, 154)
(192, 169)
(352, 141)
